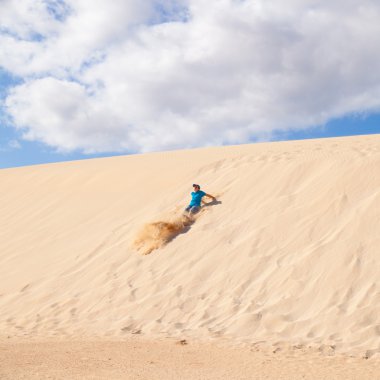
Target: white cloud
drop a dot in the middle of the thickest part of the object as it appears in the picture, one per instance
(109, 76)
(10, 145)
(14, 144)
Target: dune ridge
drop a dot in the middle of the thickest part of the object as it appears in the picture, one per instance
(288, 258)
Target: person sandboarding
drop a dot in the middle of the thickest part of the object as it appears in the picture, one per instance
(196, 198)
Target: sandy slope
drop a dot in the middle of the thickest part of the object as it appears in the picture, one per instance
(290, 255)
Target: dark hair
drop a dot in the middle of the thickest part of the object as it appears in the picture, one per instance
(195, 185)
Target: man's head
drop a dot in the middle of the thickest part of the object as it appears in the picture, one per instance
(196, 187)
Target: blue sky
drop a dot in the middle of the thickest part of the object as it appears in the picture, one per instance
(345, 126)
(86, 81)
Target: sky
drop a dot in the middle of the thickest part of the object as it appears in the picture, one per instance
(94, 78)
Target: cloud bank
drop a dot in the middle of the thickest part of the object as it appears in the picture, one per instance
(133, 76)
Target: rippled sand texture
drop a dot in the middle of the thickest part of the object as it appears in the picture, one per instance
(289, 256)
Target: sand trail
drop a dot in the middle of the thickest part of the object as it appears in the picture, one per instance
(157, 234)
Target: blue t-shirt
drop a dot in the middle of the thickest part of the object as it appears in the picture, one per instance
(196, 197)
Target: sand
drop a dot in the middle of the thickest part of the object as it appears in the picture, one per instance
(288, 257)
(170, 360)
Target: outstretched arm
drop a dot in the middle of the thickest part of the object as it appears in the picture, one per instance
(211, 196)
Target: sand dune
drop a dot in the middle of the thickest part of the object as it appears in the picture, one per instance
(289, 256)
